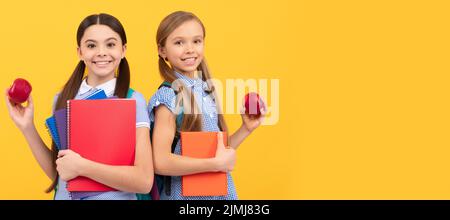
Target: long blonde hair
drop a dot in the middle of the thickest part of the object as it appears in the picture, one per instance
(191, 120)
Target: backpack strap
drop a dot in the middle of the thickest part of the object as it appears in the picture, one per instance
(167, 180)
(179, 118)
(130, 93)
(168, 85)
(161, 181)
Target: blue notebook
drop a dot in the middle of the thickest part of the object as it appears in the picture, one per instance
(99, 94)
(50, 123)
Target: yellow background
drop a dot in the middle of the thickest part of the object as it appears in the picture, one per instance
(363, 89)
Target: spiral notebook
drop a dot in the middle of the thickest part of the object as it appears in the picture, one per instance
(103, 131)
(57, 123)
(50, 124)
(202, 145)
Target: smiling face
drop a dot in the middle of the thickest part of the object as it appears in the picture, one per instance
(184, 47)
(101, 49)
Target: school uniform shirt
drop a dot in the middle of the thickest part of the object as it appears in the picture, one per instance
(142, 120)
(166, 96)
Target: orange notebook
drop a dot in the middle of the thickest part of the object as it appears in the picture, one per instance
(202, 145)
(103, 131)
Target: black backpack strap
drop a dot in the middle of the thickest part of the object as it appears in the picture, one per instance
(177, 130)
(167, 180)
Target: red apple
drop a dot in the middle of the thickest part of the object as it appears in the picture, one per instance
(253, 104)
(19, 91)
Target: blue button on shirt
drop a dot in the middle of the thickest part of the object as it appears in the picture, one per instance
(142, 120)
(166, 96)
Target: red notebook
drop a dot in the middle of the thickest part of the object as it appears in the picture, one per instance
(103, 131)
(202, 145)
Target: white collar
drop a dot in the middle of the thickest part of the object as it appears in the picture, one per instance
(108, 87)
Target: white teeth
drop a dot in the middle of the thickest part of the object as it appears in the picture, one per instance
(102, 62)
(189, 59)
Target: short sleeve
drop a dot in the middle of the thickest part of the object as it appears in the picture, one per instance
(142, 119)
(55, 99)
(165, 96)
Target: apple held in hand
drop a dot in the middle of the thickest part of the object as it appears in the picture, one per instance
(253, 104)
(19, 91)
